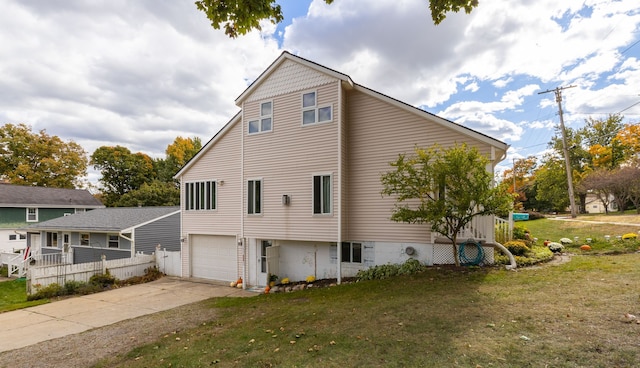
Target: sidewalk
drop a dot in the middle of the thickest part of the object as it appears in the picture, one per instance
(593, 222)
(32, 325)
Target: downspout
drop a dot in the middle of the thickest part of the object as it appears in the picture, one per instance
(340, 183)
(242, 239)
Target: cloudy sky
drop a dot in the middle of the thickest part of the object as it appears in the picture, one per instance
(139, 73)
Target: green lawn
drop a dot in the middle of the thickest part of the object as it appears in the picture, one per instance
(13, 295)
(568, 315)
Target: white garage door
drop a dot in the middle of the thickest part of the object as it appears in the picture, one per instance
(214, 257)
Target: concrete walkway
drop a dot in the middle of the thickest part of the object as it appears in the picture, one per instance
(593, 222)
(32, 325)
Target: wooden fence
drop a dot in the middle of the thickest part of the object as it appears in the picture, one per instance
(41, 276)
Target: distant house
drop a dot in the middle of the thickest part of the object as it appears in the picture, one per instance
(21, 206)
(593, 204)
(290, 186)
(116, 232)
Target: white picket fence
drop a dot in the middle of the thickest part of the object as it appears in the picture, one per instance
(41, 276)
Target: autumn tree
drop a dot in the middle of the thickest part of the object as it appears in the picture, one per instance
(445, 188)
(629, 137)
(600, 136)
(238, 17)
(178, 154)
(122, 171)
(39, 159)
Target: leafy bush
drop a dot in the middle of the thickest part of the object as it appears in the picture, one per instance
(72, 286)
(520, 232)
(536, 254)
(150, 274)
(517, 247)
(380, 272)
(103, 280)
(48, 291)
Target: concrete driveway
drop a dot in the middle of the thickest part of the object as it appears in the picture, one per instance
(32, 325)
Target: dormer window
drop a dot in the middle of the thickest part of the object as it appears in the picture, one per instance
(265, 122)
(311, 113)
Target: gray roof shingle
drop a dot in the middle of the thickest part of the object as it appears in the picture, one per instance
(26, 196)
(111, 219)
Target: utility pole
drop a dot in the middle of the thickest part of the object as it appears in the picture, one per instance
(567, 163)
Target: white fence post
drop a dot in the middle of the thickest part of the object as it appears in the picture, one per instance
(104, 264)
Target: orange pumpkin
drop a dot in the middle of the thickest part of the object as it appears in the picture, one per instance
(267, 289)
(585, 247)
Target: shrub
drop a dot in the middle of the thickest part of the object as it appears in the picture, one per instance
(536, 254)
(520, 232)
(381, 272)
(535, 215)
(72, 286)
(517, 247)
(48, 291)
(103, 280)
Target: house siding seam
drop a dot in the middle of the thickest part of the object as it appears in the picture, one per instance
(289, 77)
(286, 159)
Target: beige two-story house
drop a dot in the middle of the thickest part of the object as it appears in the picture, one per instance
(290, 186)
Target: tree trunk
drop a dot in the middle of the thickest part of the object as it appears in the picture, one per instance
(455, 250)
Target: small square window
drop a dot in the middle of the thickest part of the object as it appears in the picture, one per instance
(114, 241)
(13, 237)
(265, 125)
(324, 114)
(84, 239)
(254, 127)
(265, 109)
(309, 117)
(32, 215)
(309, 99)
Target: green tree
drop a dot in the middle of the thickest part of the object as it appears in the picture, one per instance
(446, 188)
(155, 193)
(122, 171)
(241, 16)
(38, 159)
(551, 184)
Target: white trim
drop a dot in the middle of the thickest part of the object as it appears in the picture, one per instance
(322, 175)
(261, 180)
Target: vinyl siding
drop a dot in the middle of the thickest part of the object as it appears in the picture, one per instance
(377, 133)
(164, 231)
(221, 163)
(287, 78)
(286, 160)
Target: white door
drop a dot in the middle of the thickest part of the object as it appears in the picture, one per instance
(66, 240)
(263, 269)
(214, 257)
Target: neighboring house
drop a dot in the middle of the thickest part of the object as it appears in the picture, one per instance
(593, 204)
(21, 206)
(116, 232)
(291, 185)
